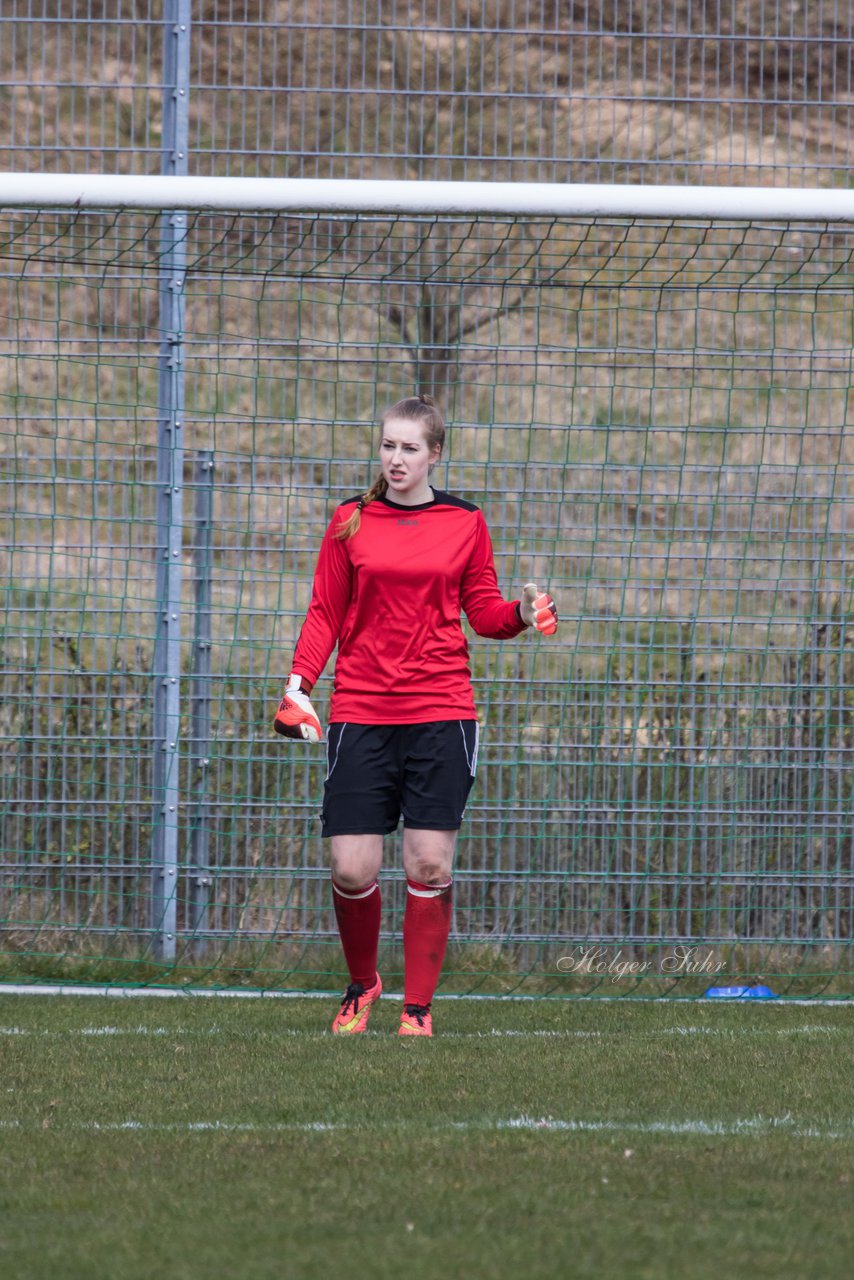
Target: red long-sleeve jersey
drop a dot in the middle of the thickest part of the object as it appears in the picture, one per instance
(391, 597)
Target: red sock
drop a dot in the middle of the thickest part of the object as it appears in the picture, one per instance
(426, 925)
(358, 916)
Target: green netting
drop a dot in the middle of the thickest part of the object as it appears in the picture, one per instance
(656, 418)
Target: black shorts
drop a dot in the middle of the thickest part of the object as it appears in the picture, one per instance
(376, 772)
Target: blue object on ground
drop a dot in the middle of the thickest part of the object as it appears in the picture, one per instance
(757, 992)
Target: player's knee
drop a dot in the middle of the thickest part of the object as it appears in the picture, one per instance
(352, 879)
(428, 856)
(432, 871)
(352, 874)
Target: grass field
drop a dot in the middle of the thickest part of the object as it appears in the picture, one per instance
(237, 1138)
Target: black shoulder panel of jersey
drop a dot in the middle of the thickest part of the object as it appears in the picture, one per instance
(451, 500)
(346, 501)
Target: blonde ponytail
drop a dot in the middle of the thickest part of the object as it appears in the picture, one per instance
(351, 524)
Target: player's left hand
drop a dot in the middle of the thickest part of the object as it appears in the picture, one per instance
(538, 610)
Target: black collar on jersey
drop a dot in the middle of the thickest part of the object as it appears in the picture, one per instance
(400, 506)
(439, 499)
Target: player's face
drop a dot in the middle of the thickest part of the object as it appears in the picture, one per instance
(406, 459)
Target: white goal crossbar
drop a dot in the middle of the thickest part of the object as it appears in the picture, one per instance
(334, 195)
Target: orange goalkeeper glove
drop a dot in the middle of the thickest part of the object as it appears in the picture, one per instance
(296, 717)
(537, 609)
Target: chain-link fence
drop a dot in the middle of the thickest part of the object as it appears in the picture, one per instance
(656, 417)
(523, 90)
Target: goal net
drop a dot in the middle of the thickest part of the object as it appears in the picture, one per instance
(654, 412)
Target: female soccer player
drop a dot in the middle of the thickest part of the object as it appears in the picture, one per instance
(395, 567)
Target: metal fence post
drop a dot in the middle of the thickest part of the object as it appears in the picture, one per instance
(170, 472)
(200, 705)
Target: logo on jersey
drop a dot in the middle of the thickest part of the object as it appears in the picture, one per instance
(406, 520)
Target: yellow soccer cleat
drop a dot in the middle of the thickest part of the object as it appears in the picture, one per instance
(352, 1017)
(416, 1020)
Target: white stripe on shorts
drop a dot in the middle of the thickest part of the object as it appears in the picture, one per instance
(330, 767)
(471, 761)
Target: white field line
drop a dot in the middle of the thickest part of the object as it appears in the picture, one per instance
(569, 1033)
(52, 989)
(757, 1126)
